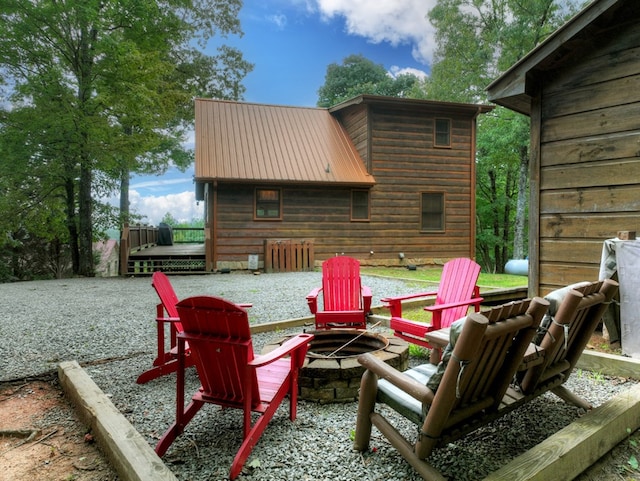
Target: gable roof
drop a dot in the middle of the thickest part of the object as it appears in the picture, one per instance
(248, 142)
(514, 88)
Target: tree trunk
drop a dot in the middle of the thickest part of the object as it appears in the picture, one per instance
(124, 197)
(85, 202)
(72, 225)
(521, 205)
(85, 221)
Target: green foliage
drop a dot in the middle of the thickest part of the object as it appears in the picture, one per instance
(98, 90)
(357, 76)
(475, 42)
(173, 222)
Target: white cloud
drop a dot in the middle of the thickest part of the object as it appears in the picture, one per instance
(394, 21)
(182, 206)
(394, 71)
(278, 19)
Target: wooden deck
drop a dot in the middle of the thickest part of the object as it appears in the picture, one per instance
(176, 258)
(168, 251)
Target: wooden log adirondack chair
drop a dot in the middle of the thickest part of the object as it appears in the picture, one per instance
(218, 334)
(486, 356)
(457, 291)
(346, 302)
(539, 369)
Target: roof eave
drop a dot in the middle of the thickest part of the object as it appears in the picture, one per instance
(335, 183)
(510, 89)
(472, 109)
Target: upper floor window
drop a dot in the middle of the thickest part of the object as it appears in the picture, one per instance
(268, 204)
(442, 134)
(432, 210)
(359, 205)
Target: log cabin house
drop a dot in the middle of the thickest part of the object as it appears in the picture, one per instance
(581, 88)
(386, 180)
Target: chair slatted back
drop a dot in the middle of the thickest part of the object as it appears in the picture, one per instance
(167, 295)
(341, 284)
(489, 349)
(505, 340)
(219, 336)
(581, 311)
(457, 283)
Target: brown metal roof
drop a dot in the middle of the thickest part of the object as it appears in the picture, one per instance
(238, 141)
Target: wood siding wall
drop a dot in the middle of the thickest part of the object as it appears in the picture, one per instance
(355, 122)
(406, 164)
(589, 148)
(318, 213)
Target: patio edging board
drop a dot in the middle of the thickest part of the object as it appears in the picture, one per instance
(572, 450)
(130, 454)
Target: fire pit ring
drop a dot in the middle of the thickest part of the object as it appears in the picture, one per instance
(331, 372)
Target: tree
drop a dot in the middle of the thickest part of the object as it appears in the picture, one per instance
(476, 40)
(358, 75)
(110, 83)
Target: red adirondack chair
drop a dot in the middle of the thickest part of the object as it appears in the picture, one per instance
(166, 313)
(456, 292)
(346, 302)
(220, 340)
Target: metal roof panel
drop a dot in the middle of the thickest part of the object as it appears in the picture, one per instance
(238, 141)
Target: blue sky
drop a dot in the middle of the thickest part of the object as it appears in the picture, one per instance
(291, 43)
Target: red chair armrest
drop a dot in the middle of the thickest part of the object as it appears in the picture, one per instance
(167, 319)
(312, 299)
(299, 342)
(441, 307)
(367, 297)
(394, 304)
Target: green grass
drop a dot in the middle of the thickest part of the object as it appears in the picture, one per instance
(424, 278)
(431, 275)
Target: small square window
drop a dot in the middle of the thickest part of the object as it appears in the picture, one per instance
(432, 210)
(442, 134)
(268, 204)
(359, 205)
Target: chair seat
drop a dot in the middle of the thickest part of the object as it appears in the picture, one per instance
(398, 400)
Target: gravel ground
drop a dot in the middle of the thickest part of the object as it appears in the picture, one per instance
(108, 325)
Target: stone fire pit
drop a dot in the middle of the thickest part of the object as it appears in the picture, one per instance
(331, 372)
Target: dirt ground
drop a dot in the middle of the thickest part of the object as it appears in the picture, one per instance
(41, 438)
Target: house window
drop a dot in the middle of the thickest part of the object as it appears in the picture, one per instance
(432, 210)
(442, 136)
(268, 203)
(359, 205)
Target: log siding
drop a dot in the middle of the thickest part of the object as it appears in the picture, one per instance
(589, 155)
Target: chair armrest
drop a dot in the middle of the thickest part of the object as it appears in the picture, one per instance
(395, 303)
(168, 319)
(407, 384)
(312, 299)
(441, 307)
(367, 297)
(301, 341)
(439, 338)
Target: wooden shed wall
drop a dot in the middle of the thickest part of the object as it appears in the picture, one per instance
(589, 155)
